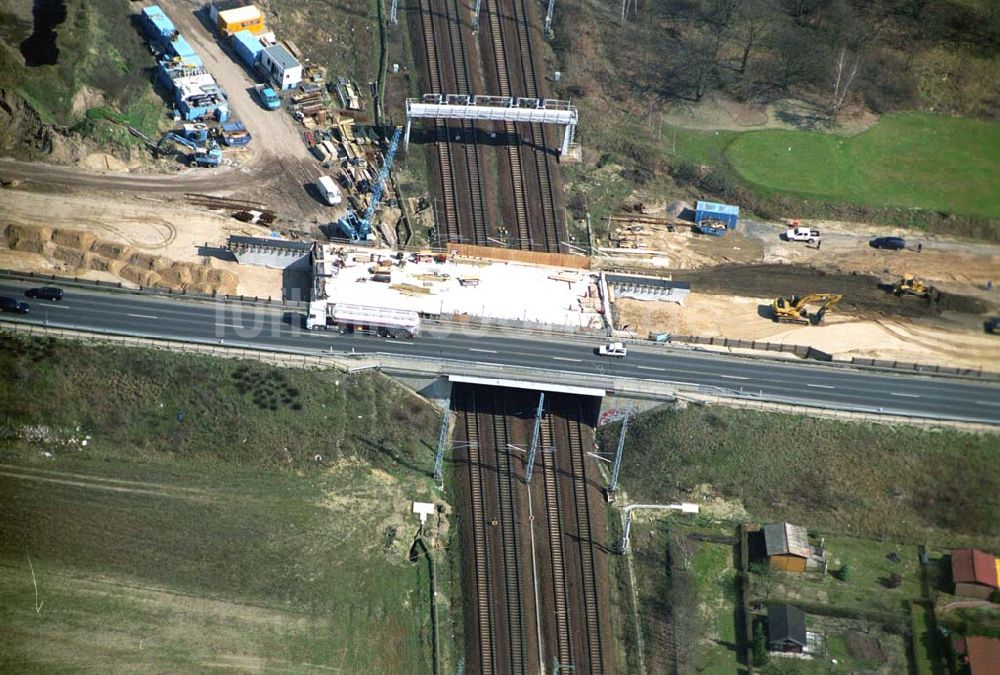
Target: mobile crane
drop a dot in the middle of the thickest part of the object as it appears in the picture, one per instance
(360, 228)
(793, 309)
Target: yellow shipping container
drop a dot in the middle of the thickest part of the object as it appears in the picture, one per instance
(242, 18)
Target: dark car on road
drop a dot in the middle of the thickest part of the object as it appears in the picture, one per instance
(12, 305)
(45, 293)
(891, 243)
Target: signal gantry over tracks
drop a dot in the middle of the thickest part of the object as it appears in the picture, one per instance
(494, 109)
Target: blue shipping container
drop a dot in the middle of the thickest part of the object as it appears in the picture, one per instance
(248, 47)
(730, 215)
(156, 23)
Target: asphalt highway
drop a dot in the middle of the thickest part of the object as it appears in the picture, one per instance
(245, 325)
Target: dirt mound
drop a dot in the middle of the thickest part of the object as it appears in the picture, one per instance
(112, 250)
(19, 233)
(864, 295)
(82, 251)
(74, 238)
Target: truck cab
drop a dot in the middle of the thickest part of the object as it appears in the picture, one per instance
(268, 97)
(806, 234)
(613, 349)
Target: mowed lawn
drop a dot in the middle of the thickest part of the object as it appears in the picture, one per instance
(909, 160)
(197, 531)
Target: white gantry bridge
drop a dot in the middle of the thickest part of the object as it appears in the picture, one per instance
(494, 109)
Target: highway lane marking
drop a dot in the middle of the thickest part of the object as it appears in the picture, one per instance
(659, 370)
(820, 386)
(54, 307)
(892, 393)
(734, 377)
(563, 358)
(483, 351)
(142, 316)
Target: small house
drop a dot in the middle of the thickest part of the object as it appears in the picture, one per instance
(978, 655)
(974, 572)
(788, 549)
(281, 66)
(786, 629)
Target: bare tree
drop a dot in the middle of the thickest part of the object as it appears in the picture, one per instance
(754, 24)
(845, 72)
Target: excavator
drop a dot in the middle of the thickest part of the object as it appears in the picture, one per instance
(204, 154)
(910, 285)
(793, 309)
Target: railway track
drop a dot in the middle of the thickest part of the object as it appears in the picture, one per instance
(594, 644)
(452, 230)
(536, 132)
(521, 216)
(481, 546)
(554, 529)
(506, 489)
(460, 62)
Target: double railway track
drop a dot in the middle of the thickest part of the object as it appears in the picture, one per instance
(554, 530)
(594, 644)
(477, 492)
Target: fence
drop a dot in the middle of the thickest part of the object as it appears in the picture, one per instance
(515, 255)
(799, 350)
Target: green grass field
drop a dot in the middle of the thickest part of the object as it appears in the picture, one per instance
(895, 483)
(906, 160)
(196, 531)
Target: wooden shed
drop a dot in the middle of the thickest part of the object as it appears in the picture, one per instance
(788, 548)
(786, 629)
(974, 572)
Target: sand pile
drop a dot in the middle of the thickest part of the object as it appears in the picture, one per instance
(82, 251)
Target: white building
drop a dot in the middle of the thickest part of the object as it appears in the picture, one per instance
(283, 68)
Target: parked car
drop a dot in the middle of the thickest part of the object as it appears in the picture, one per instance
(993, 325)
(45, 293)
(12, 305)
(891, 243)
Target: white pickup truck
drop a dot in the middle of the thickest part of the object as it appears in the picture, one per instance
(807, 234)
(615, 349)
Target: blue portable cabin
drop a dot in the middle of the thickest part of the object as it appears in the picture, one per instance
(730, 215)
(180, 48)
(159, 28)
(248, 47)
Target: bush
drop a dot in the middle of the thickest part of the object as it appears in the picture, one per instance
(844, 573)
(760, 655)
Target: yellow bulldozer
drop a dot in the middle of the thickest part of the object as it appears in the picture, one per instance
(795, 309)
(910, 285)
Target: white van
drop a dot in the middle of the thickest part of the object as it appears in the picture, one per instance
(329, 190)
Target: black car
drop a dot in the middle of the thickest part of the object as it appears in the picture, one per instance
(14, 306)
(45, 293)
(891, 243)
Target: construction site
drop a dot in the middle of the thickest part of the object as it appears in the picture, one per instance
(254, 217)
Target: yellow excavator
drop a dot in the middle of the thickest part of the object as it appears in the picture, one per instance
(794, 309)
(910, 285)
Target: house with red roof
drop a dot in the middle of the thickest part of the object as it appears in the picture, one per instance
(974, 572)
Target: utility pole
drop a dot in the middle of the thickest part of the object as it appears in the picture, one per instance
(534, 437)
(442, 444)
(618, 453)
(475, 16)
(548, 19)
